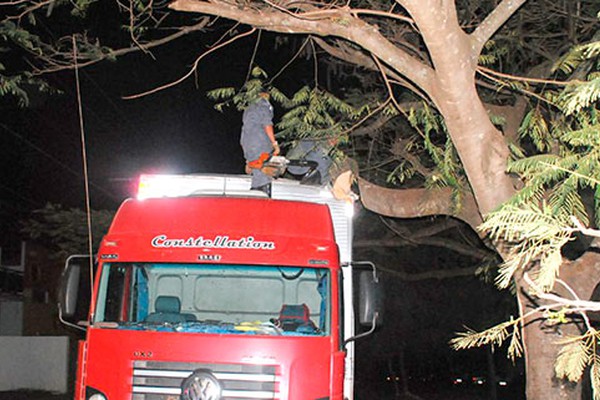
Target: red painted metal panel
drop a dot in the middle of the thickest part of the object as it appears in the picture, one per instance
(231, 230)
(80, 377)
(218, 214)
(304, 364)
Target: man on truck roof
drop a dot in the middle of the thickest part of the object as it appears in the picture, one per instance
(258, 140)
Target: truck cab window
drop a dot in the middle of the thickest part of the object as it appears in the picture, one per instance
(223, 299)
(114, 289)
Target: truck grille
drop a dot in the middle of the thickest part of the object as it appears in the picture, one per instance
(154, 380)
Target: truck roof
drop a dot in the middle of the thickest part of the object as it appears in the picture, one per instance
(221, 215)
(200, 213)
(169, 185)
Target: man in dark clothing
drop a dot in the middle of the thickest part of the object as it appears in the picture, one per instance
(311, 150)
(258, 140)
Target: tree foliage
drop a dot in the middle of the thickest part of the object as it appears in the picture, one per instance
(549, 210)
(309, 113)
(41, 37)
(65, 230)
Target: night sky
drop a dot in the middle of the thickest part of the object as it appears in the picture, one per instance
(176, 130)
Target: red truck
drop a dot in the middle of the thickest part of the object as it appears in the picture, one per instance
(205, 290)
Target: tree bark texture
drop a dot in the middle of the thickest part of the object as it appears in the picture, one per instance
(411, 203)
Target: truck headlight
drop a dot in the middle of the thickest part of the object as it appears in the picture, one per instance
(201, 385)
(94, 394)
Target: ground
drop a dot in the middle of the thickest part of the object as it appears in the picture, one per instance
(431, 393)
(33, 395)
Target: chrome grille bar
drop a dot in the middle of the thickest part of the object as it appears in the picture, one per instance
(154, 380)
(233, 394)
(221, 376)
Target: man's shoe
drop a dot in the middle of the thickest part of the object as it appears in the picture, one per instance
(264, 188)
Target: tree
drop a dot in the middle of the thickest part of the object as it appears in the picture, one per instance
(540, 223)
(434, 50)
(65, 232)
(445, 78)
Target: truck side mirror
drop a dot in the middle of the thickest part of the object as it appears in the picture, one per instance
(370, 311)
(74, 292)
(69, 289)
(370, 298)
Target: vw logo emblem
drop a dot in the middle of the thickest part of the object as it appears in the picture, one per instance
(201, 385)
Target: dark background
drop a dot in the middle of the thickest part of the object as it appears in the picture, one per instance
(177, 130)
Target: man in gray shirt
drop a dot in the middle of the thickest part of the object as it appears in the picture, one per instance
(311, 150)
(258, 140)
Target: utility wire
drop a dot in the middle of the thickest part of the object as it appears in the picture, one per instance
(12, 191)
(88, 207)
(54, 159)
(118, 110)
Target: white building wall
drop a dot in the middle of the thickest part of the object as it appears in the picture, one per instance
(34, 363)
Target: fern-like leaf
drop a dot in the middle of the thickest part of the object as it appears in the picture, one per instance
(571, 361)
(580, 96)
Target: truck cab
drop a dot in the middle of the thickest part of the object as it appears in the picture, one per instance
(205, 289)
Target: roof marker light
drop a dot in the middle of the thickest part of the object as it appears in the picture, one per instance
(172, 185)
(163, 186)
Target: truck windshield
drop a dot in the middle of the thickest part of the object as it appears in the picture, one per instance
(223, 299)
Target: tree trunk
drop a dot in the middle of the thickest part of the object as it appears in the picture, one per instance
(484, 153)
(481, 147)
(541, 340)
(541, 349)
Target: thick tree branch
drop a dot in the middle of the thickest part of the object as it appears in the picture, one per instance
(347, 53)
(353, 56)
(341, 24)
(493, 22)
(413, 203)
